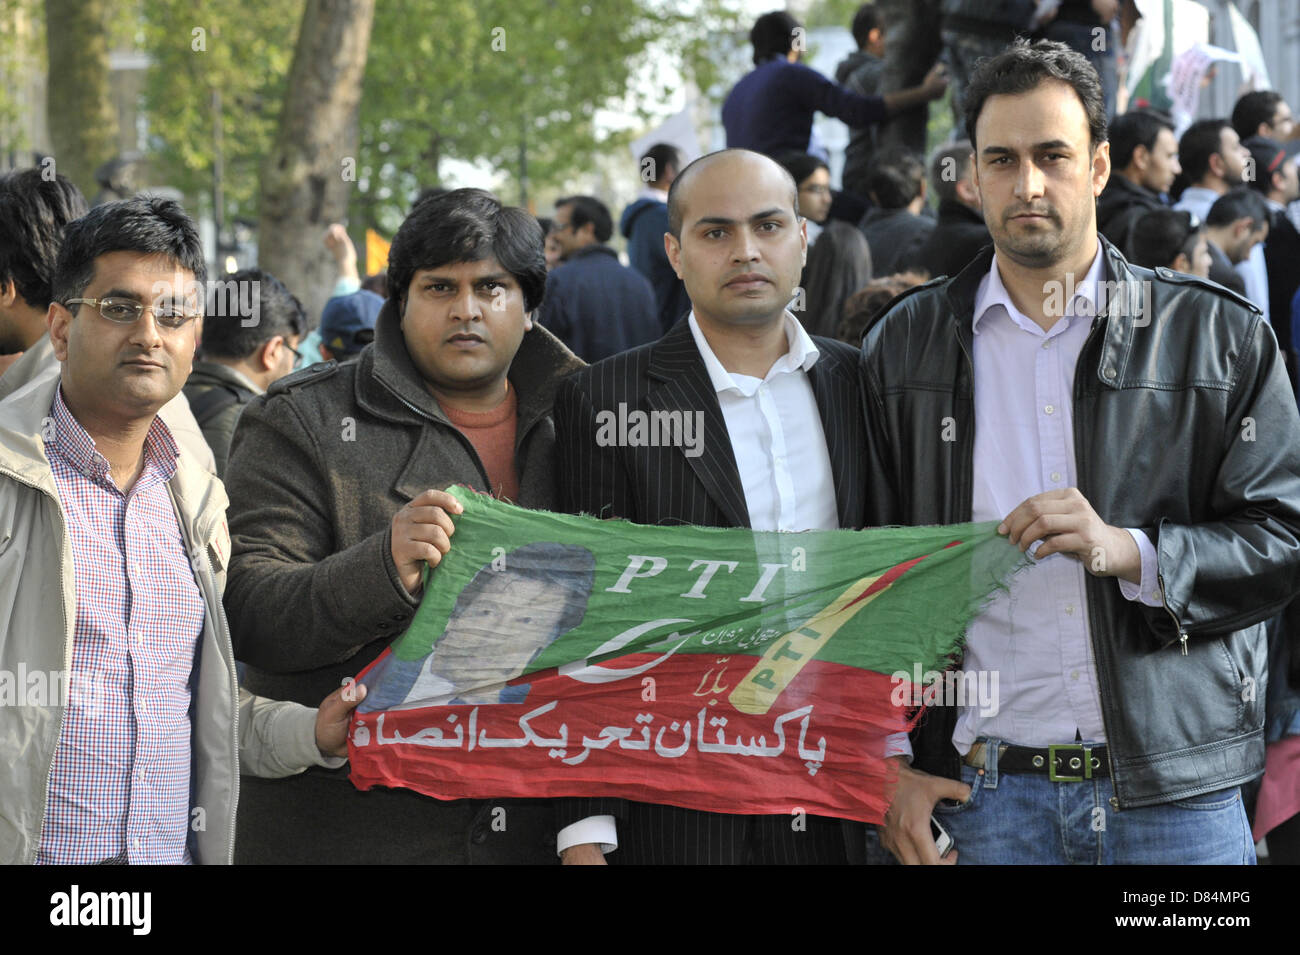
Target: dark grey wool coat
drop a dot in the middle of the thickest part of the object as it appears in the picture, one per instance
(318, 467)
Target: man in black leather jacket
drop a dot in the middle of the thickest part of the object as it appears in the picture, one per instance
(1186, 456)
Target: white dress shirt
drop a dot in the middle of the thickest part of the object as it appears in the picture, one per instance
(777, 438)
(1035, 636)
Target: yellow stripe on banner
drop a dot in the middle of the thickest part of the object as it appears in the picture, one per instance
(376, 253)
(789, 654)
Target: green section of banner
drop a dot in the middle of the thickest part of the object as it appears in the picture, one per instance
(533, 589)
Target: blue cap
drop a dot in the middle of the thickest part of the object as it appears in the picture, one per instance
(347, 323)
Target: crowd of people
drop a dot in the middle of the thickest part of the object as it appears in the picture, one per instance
(1070, 323)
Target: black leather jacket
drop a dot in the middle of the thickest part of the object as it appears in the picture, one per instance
(1184, 426)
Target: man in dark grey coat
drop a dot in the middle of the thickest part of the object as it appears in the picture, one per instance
(333, 515)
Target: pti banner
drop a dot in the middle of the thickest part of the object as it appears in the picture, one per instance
(725, 670)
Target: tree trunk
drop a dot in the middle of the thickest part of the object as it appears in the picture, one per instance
(78, 104)
(912, 29)
(309, 172)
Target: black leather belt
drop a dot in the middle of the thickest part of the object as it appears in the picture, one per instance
(1061, 763)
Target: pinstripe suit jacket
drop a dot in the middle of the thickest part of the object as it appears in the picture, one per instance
(662, 485)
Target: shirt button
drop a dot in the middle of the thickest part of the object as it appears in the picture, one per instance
(1074, 674)
(1047, 344)
(1069, 608)
(135, 843)
(1049, 409)
(1056, 475)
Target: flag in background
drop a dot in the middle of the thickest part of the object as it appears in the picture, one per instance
(725, 670)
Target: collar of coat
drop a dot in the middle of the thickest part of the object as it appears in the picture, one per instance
(1127, 284)
(389, 386)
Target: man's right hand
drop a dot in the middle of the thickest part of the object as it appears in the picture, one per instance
(422, 534)
(906, 832)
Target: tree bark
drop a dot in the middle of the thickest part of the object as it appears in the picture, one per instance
(78, 103)
(309, 172)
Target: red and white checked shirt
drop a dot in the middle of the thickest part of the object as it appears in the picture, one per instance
(120, 783)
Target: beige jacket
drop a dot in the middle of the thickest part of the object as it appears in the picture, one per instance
(37, 616)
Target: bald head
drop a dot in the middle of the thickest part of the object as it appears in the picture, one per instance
(726, 165)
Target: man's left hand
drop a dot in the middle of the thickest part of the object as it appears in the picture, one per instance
(1066, 524)
(333, 717)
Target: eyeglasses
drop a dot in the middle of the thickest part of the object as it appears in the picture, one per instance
(125, 311)
(297, 355)
(816, 190)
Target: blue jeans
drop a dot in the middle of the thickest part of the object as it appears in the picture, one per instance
(1026, 819)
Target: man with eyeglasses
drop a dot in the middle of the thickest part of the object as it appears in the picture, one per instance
(34, 210)
(128, 730)
(595, 304)
(252, 328)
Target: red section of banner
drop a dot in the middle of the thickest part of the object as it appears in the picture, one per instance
(670, 737)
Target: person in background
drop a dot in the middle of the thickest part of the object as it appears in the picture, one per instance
(347, 324)
(250, 338)
(960, 232)
(552, 248)
(1235, 225)
(1213, 161)
(860, 73)
(864, 305)
(1260, 113)
(813, 178)
(1276, 179)
(771, 109)
(895, 228)
(594, 304)
(1144, 162)
(1169, 238)
(838, 265)
(1085, 27)
(33, 213)
(644, 224)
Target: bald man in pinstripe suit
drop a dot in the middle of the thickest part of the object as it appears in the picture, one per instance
(774, 440)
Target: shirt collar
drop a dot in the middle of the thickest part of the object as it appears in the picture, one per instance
(801, 355)
(75, 445)
(992, 292)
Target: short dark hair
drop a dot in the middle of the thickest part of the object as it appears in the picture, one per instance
(467, 225)
(1203, 139)
(864, 21)
(1022, 67)
(588, 209)
(1252, 109)
(147, 224)
(896, 177)
(675, 190)
(1158, 237)
(1237, 204)
(1131, 130)
(773, 35)
(34, 211)
(957, 155)
(661, 156)
(247, 309)
(800, 165)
